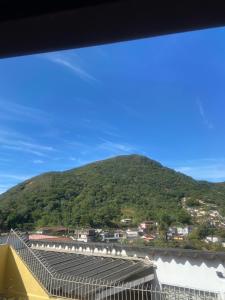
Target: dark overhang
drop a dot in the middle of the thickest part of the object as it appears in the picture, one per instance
(28, 27)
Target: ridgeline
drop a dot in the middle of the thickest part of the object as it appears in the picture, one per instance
(103, 192)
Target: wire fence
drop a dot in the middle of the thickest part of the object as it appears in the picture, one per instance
(64, 286)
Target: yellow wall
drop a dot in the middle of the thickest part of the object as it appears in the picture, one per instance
(19, 281)
(3, 260)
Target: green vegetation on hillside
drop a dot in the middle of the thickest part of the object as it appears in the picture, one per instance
(101, 193)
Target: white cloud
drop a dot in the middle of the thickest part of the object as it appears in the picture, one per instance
(18, 112)
(73, 158)
(211, 169)
(36, 146)
(38, 161)
(4, 160)
(68, 62)
(25, 150)
(184, 169)
(203, 114)
(4, 176)
(116, 148)
(130, 111)
(78, 161)
(12, 140)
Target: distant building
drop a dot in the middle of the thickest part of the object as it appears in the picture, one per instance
(178, 233)
(111, 237)
(184, 230)
(51, 238)
(149, 237)
(178, 238)
(214, 213)
(85, 235)
(53, 230)
(40, 236)
(126, 221)
(201, 213)
(147, 224)
(172, 231)
(213, 239)
(132, 233)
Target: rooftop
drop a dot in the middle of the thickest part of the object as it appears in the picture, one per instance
(96, 267)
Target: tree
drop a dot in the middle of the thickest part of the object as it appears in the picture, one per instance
(192, 202)
(205, 230)
(183, 217)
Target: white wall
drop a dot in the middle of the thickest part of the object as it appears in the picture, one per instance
(194, 273)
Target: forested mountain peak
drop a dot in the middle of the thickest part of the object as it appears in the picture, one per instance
(103, 192)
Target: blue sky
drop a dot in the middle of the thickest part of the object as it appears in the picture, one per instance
(162, 97)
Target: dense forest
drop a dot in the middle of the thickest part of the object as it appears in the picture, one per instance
(101, 193)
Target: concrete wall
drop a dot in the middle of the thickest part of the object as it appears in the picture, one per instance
(195, 273)
(15, 278)
(3, 260)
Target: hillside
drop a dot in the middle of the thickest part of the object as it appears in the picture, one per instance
(101, 193)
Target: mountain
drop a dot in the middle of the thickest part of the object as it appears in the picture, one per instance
(103, 192)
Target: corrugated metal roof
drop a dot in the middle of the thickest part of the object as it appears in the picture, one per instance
(96, 267)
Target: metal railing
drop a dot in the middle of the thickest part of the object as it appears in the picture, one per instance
(63, 286)
(33, 261)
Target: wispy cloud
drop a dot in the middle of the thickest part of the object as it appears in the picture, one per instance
(205, 169)
(130, 111)
(12, 140)
(17, 112)
(203, 114)
(81, 153)
(14, 176)
(116, 148)
(21, 149)
(4, 160)
(79, 162)
(38, 161)
(111, 133)
(100, 127)
(68, 61)
(105, 146)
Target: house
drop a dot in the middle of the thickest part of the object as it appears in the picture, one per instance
(172, 230)
(132, 233)
(184, 230)
(201, 213)
(40, 236)
(148, 237)
(59, 230)
(214, 213)
(222, 225)
(178, 233)
(146, 224)
(126, 221)
(201, 202)
(85, 235)
(178, 238)
(111, 236)
(213, 239)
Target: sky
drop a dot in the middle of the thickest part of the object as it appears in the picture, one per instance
(162, 97)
